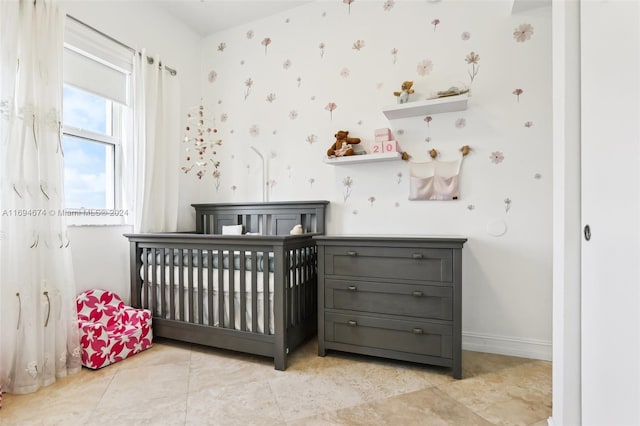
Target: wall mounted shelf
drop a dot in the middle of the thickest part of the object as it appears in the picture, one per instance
(430, 106)
(364, 158)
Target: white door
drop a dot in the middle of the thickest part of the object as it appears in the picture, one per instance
(610, 68)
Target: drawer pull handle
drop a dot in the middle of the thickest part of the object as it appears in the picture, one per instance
(352, 323)
(417, 255)
(417, 293)
(352, 253)
(417, 331)
(352, 288)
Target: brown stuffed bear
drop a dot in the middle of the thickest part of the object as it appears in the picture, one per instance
(406, 90)
(342, 146)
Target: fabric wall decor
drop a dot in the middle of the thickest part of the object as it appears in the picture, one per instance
(434, 180)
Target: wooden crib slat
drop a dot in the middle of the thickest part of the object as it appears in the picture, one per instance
(265, 292)
(232, 293)
(254, 292)
(290, 286)
(210, 289)
(162, 285)
(181, 309)
(243, 294)
(200, 292)
(221, 288)
(154, 280)
(172, 293)
(190, 284)
(145, 277)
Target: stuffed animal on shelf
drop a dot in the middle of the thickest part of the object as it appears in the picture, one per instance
(405, 91)
(342, 146)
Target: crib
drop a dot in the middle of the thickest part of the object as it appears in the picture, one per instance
(254, 292)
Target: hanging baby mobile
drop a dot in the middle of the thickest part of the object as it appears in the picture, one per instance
(201, 139)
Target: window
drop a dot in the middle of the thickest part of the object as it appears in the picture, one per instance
(96, 120)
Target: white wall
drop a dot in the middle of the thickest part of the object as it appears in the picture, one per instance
(100, 254)
(507, 279)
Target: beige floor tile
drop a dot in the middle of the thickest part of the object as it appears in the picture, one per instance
(167, 410)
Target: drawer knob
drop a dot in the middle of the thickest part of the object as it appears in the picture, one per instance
(417, 331)
(417, 255)
(352, 323)
(352, 253)
(352, 288)
(417, 293)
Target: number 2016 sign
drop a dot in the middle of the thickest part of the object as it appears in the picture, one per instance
(380, 147)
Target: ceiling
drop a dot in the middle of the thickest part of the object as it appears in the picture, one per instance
(210, 16)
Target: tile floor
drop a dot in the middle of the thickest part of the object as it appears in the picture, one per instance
(180, 384)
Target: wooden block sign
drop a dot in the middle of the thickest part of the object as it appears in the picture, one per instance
(390, 146)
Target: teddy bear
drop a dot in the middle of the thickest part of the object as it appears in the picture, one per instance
(406, 90)
(342, 146)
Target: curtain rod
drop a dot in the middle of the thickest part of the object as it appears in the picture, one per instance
(150, 59)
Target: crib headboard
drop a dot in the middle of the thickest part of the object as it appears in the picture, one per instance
(271, 218)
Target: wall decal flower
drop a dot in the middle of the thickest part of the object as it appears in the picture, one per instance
(425, 67)
(496, 157)
(321, 46)
(311, 181)
(311, 139)
(286, 64)
(216, 176)
(388, 5)
(212, 76)
(250, 34)
(222, 46)
(397, 204)
(435, 23)
(271, 97)
(224, 117)
(348, 2)
(427, 139)
(472, 59)
(270, 184)
(528, 124)
(470, 207)
(354, 212)
(344, 72)
(399, 176)
(523, 33)
(537, 176)
(518, 92)
(265, 42)
(371, 200)
(330, 107)
(233, 188)
(460, 123)
(507, 204)
(248, 83)
(465, 35)
(299, 80)
(428, 119)
(254, 130)
(394, 54)
(347, 183)
(293, 114)
(358, 44)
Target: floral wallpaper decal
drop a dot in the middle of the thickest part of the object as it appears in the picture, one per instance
(528, 124)
(289, 171)
(425, 67)
(465, 35)
(371, 200)
(222, 46)
(271, 97)
(212, 76)
(460, 123)
(311, 181)
(394, 54)
(248, 83)
(348, 2)
(523, 33)
(250, 34)
(428, 119)
(537, 176)
(518, 92)
(397, 204)
(427, 139)
(216, 176)
(496, 157)
(286, 64)
(330, 107)
(224, 117)
(347, 183)
(399, 176)
(293, 114)
(388, 5)
(265, 42)
(254, 130)
(270, 184)
(471, 207)
(311, 139)
(358, 44)
(321, 46)
(507, 205)
(354, 212)
(435, 23)
(344, 72)
(299, 80)
(233, 188)
(472, 59)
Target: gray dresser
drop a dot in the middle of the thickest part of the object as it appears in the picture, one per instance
(391, 296)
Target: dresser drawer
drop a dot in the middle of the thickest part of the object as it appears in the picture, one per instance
(419, 301)
(413, 337)
(385, 263)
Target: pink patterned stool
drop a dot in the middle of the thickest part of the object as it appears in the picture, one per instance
(0, 396)
(110, 331)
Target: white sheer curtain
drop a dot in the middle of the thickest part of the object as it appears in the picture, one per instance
(38, 328)
(156, 145)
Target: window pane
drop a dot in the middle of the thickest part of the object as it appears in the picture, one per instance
(84, 110)
(88, 173)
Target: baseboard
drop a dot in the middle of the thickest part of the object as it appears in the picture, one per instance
(525, 348)
(550, 421)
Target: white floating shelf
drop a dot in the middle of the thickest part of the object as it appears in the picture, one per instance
(430, 106)
(364, 158)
